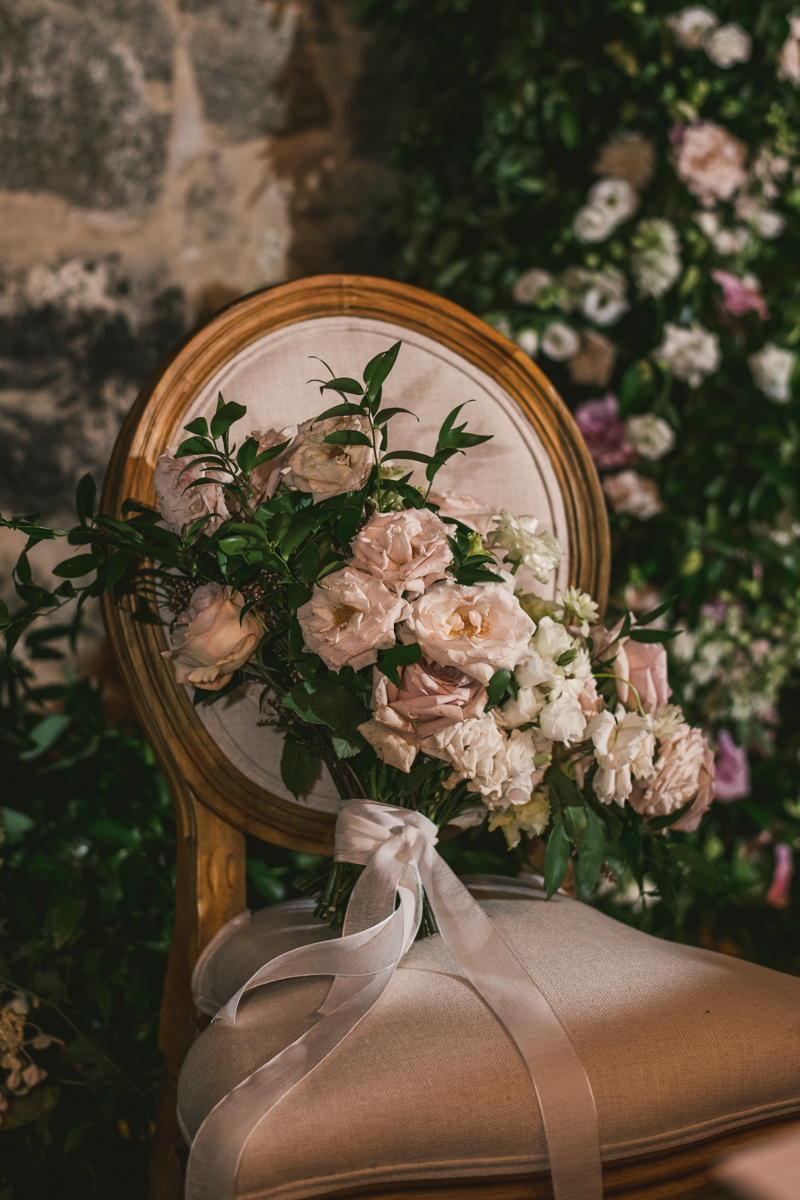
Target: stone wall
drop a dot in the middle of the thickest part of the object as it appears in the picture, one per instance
(159, 158)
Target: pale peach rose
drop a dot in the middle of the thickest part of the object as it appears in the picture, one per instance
(644, 665)
(391, 747)
(476, 629)
(349, 618)
(477, 751)
(684, 768)
(710, 161)
(265, 479)
(326, 470)
(181, 505)
(629, 492)
(589, 700)
(430, 698)
(594, 362)
(408, 551)
(473, 512)
(212, 639)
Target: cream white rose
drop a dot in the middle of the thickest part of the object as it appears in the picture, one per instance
(477, 629)
(772, 369)
(624, 746)
(562, 720)
(408, 551)
(349, 618)
(477, 751)
(181, 505)
(523, 546)
(212, 640)
(691, 354)
(650, 436)
(526, 707)
(326, 470)
(528, 756)
(728, 45)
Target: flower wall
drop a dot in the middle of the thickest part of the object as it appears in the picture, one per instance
(616, 186)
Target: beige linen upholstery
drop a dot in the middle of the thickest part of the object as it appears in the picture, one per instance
(680, 1045)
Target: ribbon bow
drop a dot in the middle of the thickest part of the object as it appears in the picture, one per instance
(397, 848)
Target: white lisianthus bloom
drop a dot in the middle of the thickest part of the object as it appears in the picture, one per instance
(594, 223)
(624, 747)
(691, 354)
(560, 341)
(692, 25)
(477, 751)
(772, 369)
(523, 546)
(530, 818)
(610, 202)
(562, 720)
(667, 720)
(477, 629)
(530, 285)
(728, 45)
(650, 436)
(656, 260)
(580, 604)
(527, 340)
(605, 301)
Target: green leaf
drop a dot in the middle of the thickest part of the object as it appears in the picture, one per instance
(266, 880)
(268, 455)
(567, 657)
(398, 656)
(414, 455)
(591, 853)
(84, 499)
(350, 386)
(65, 918)
(246, 456)
(701, 871)
(556, 859)
(194, 445)
(5, 616)
(345, 409)
(653, 635)
(15, 825)
(497, 686)
(232, 545)
(199, 426)
(658, 612)
(423, 768)
(45, 734)
(296, 595)
(321, 702)
(575, 820)
(347, 437)
(348, 742)
(299, 768)
(225, 416)
(563, 792)
(378, 368)
(387, 413)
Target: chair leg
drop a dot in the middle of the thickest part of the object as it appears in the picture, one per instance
(210, 890)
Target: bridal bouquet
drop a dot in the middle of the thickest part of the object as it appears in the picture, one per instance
(396, 638)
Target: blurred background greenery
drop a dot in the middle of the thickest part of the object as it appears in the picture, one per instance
(507, 110)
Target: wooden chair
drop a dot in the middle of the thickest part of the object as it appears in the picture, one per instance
(221, 777)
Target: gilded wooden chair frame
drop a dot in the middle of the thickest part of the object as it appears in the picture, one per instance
(215, 804)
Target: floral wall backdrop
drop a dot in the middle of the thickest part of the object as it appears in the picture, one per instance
(616, 187)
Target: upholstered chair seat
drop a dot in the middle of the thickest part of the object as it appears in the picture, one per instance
(682, 1047)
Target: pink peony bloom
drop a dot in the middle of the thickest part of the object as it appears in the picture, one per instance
(349, 618)
(733, 769)
(212, 639)
(709, 160)
(604, 433)
(644, 665)
(408, 551)
(741, 295)
(684, 769)
(779, 894)
(476, 629)
(430, 698)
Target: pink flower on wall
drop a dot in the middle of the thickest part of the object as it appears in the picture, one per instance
(733, 769)
(779, 894)
(604, 433)
(740, 296)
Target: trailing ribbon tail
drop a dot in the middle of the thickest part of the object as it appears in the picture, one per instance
(396, 847)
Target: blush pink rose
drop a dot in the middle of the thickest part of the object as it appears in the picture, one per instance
(325, 469)
(408, 551)
(349, 618)
(475, 629)
(629, 492)
(684, 769)
(181, 505)
(740, 296)
(644, 665)
(733, 769)
(604, 433)
(476, 513)
(710, 161)
(430, 698)
(212, 639)
(264, 479)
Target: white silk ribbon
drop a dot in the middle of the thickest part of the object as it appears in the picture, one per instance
(396, 847)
